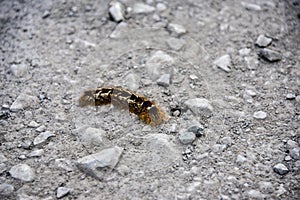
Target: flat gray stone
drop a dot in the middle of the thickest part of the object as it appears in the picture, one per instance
(36, 153)
(161, 7)
(187, 137)
(141, 8)
(260, 115)
(97, 164)
(92, 136)
(24, 101)
(33, 124)
(62, 191)
(270, 55)
(223, 63)
(117, 11)
(164, 80)
(280, 169)
(295, 153)
(200, 106)
(22, 172)
(6, 189)
(42, 137)
(176, 29)
(263, 41)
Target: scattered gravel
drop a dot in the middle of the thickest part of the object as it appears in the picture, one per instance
(186, 137)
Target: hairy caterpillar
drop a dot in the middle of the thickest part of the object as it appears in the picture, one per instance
(146, 110)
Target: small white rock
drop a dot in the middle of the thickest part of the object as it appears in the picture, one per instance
(18, 70)
(200, 106)
(164, 80)
(33, 124)
(223, 63)
(244, 51)
(260, 115)
(62, 191)
(241, 159)
(177, 29)
(186, 137)
(36, 153)
(263, 41)
(161, 7)
(141, 8)
(117, 11)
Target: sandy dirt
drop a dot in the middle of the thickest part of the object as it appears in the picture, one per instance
(225, 73)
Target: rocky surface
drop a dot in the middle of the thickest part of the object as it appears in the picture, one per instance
(226, 74)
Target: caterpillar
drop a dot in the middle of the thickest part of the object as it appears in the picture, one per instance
(146, 110)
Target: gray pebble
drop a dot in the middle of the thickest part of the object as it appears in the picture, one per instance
(200, 106)
(26, 144)
(161, 7)
(36, 153)
(290, 96)
(6, 189)
(141, 8)
(97, 164)
(288, 158)
(260, 115)
(218, 148)
(19, 69)
(172, 128)
(176, 29)
(117, 11)
(270, 55)
(33, 124)
(280, 169)
(164, 80)
(22, 172)
(295, 153)
(263, 41)
(40, 129)
(24, 101)
(251, 93)
(91, 136)
(62, 191)
(244, 51)
(223, 63)
(197, 130)
(175, 43)
(291, 144)
(240, 159)
(42, 137)
(251, 6)
(186, 137)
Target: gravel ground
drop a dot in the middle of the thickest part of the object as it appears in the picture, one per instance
(226, 73)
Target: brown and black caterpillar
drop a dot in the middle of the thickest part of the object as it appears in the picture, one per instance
(146, 110)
